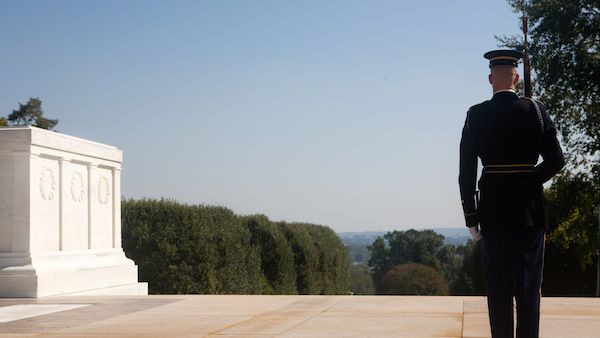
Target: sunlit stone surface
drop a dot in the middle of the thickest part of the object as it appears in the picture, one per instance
(239, 316)
(60, 217)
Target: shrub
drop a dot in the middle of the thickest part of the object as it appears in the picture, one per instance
(414, 279)
(189, 249)
(183, 248)
(276, 255)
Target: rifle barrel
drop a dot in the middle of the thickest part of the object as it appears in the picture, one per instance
(526, 64)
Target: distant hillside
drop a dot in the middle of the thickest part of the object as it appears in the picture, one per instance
(357, 242)
(456, 236)
(360, 238)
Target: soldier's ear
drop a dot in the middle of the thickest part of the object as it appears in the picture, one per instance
(490, 78)
(517, 79)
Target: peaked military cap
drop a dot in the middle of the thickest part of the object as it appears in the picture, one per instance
(503, 57)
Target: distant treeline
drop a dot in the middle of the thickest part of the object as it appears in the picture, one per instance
(182, 248)
(418, 262)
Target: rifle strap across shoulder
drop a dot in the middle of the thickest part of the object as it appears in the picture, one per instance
(539, 114)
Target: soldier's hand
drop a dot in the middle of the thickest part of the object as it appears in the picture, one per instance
(474, 231)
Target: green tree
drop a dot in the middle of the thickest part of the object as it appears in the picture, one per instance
(451, 259)
(333, 260)
(276, 255)
(565, 45)
(361, 282)
(238, 267)
(415, 246)
(379, 261)
(320, 258)
(565, 49)
(571, 245)
(190, 249)
(31, 114)
(306, 258)
(470, 280)
(414, 279)
(411, 246)
(173, 249)
(183, 248)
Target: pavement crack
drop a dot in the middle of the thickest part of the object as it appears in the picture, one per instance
(311, 317)
(462, 322)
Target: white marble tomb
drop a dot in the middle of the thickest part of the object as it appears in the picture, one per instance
(60, 217)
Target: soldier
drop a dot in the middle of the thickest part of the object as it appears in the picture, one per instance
(508, 133)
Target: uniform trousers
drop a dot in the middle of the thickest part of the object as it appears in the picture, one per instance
(513, 259)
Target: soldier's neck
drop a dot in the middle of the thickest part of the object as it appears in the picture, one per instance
(499, 90)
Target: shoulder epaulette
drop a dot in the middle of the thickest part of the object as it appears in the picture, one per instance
(469, 114)
(530, 99)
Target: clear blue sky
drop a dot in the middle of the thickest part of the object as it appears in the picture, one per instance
(344, 113)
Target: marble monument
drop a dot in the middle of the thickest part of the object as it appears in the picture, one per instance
(60, 217)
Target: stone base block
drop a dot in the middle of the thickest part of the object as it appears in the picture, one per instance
(71, 273)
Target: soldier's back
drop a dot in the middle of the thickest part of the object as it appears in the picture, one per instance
(507, 135)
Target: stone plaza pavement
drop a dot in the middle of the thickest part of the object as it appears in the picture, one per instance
(229, 316)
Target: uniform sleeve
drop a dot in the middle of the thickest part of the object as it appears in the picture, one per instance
(552, 155)
(467, 177)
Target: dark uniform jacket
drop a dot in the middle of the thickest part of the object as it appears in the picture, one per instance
(508, 135)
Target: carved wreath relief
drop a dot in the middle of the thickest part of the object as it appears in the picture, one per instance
(103, 190)
(77, 187)
(47, 184)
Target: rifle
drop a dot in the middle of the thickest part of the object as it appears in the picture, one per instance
(526, 64)
(527, 73)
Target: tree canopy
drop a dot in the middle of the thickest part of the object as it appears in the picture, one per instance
(361, 282)
(30, 114)
(565, 50)
(414, 279)
(424, 247)
(572, 242)
(183, 248)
